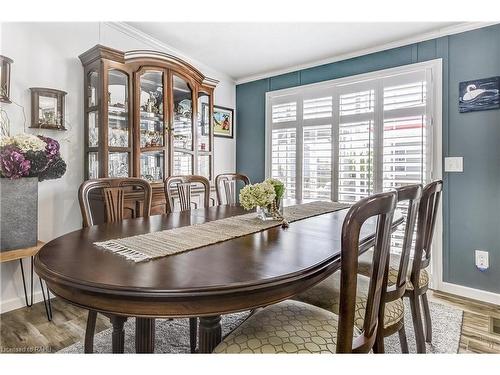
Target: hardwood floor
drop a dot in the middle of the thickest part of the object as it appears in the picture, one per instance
(27, 330)
(477, 335)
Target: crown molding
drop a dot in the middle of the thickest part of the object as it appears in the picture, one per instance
(450, 30)
(159, 45)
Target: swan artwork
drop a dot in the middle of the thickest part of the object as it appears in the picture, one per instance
(472, 93)
(479, 95)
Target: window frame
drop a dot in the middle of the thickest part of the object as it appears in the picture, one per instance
(431, 70)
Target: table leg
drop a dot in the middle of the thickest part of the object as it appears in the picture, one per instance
(210, 333)
(118, 336)
(28, 304)
(144, 335)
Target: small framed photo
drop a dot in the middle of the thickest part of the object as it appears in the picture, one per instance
(223, 122)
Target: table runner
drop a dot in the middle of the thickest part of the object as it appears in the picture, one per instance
(177, 240)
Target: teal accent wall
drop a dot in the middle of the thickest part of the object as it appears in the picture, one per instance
(471, 200)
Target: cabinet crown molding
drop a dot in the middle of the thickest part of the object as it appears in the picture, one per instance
(99, 52)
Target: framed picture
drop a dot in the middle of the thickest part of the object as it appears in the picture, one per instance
(47, 108)
(223, 122)
(479, 95)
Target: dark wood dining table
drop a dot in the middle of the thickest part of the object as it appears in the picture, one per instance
(237, 275)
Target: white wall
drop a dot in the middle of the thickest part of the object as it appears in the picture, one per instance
(46, 55)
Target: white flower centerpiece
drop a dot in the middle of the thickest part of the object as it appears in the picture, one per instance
(265, 197)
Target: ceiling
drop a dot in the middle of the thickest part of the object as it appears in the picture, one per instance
(241, 50)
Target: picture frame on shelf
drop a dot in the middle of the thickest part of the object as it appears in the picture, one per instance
(223, 122)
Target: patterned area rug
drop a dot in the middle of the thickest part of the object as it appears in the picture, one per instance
(172, 336)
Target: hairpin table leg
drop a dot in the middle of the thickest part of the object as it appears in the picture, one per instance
(46, 301)
(28, 304)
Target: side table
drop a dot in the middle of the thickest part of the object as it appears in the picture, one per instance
(20, 254)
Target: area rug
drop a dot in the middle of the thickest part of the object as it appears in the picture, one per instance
(172, 336)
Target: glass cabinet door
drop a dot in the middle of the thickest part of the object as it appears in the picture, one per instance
(118, 124)
(182, 131)
(92, 114)
(203, 128)
(204, 136)
(152, 125)
(151, 110)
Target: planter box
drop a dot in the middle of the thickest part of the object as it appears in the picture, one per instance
(18, 213)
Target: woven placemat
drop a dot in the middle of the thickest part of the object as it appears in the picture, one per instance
(173, 241)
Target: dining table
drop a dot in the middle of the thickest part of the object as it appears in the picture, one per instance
(240, 274)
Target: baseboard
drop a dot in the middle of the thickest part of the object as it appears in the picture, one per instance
(464, 291)
(19, 302)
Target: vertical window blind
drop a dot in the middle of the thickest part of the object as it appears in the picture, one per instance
(344, 141)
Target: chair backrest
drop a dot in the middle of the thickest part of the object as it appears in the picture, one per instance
(226, 186)
(382, 206)
(410, 194)
(183, 184)
(427, 214)
(113, 195)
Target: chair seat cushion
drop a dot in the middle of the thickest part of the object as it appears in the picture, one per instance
(286, 327)
(365, 268)
(327, 296)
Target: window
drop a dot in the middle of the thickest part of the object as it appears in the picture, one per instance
(346, 139)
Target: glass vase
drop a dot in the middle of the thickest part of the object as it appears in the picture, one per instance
(279, 205)
(264, 213)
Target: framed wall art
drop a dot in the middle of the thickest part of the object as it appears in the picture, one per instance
(223, 122)
(479, 95)
(47, 108)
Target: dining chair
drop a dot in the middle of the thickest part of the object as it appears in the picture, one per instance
(396, 276)
(182, 185)
(418, 283)
(415, 271)
(327, 293)
(316, 330)
(112, 192)
(226, 185)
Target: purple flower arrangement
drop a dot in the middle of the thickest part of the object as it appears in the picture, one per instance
(27, 155)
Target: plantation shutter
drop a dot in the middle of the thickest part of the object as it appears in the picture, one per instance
(356, 135)
(284, 112)
(349, 140)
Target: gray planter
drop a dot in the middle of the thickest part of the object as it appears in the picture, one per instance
(18, 213)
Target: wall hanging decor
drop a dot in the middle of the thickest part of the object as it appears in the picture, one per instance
(223, 122)
(47, 108)
(479, 95)
(5, 63)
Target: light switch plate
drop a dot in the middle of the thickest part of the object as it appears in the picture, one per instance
(454, 164)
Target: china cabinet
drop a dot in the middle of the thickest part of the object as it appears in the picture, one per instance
(147, 114)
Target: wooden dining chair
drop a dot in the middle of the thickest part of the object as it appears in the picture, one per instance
(322, 330)
(412, 270)
(327, 293)
(226, 187)
(408, 196)
(418, 282)
(112, 192)
(182, 185)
